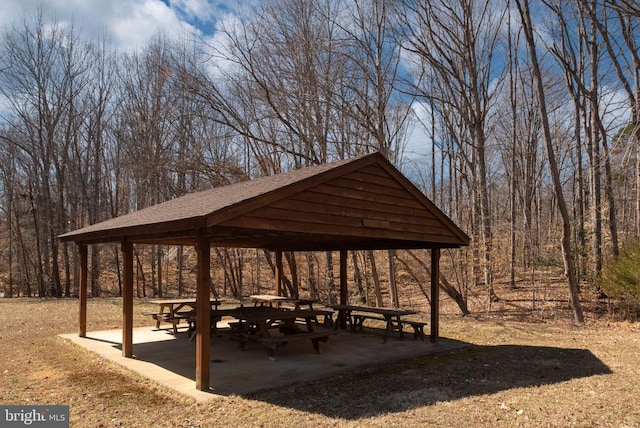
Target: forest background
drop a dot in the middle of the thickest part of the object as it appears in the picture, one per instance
(519, 119)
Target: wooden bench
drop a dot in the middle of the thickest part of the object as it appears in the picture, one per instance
(327, 314)
(357, 323)
(357, 320)
(239, 328)
(390, 324)
(272, 342)
(216, 315)
(418, 328)
(158, 317)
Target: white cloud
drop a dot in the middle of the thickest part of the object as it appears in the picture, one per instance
(220, 45)
(419, 138)
(129, 24)
(136, 22)
(614, 108)
(5, 107)
(199, 9)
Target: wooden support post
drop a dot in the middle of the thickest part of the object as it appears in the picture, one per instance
(82, 288)
(343, 286)
(279, 271)
(343, 277)
(203, 312)
(435, 294)
(127, 300)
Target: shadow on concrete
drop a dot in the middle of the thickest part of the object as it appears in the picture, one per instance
(237, 372)
(356, 375)
(410, 384)
(169, 359)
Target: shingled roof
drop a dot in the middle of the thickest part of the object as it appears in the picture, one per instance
(358, 203)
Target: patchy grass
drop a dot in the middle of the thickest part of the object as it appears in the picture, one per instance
(519, 370)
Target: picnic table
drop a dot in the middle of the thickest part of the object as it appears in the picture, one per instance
(170, 310)
(275, 301)
(356, 315)
(216, 315)
(257, 325)
(298, 303)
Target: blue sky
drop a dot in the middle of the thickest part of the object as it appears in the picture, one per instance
(128, 24)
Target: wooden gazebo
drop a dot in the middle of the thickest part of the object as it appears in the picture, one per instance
(355, 204)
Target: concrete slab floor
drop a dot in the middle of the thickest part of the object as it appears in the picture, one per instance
(169, 359)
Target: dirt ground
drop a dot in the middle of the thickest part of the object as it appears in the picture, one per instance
(526, 365)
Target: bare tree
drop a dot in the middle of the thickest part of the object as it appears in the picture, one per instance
(567, 252)
(279, 94)
(44, 85)
(583, 30)
(379, 107)
(457, 42)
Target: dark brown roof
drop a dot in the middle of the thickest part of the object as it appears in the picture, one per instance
(359, 203)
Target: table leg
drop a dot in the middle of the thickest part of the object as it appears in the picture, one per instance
(264, 329)
(249, 327)
(341, 321)
(389, 327)
(357, 322)
(172, 318)
(310, 321)
(214, 325)
(159, 316)
(400, 327)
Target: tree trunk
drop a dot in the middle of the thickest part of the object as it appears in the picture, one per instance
(313, 286)
(376, 279)
(331, 281)
(393, 287)
(357, 277)
(593, 141)
(179, 267)
(445, 285)
(160, 270)
(523, 8)
(293, 268)
(513, 165)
